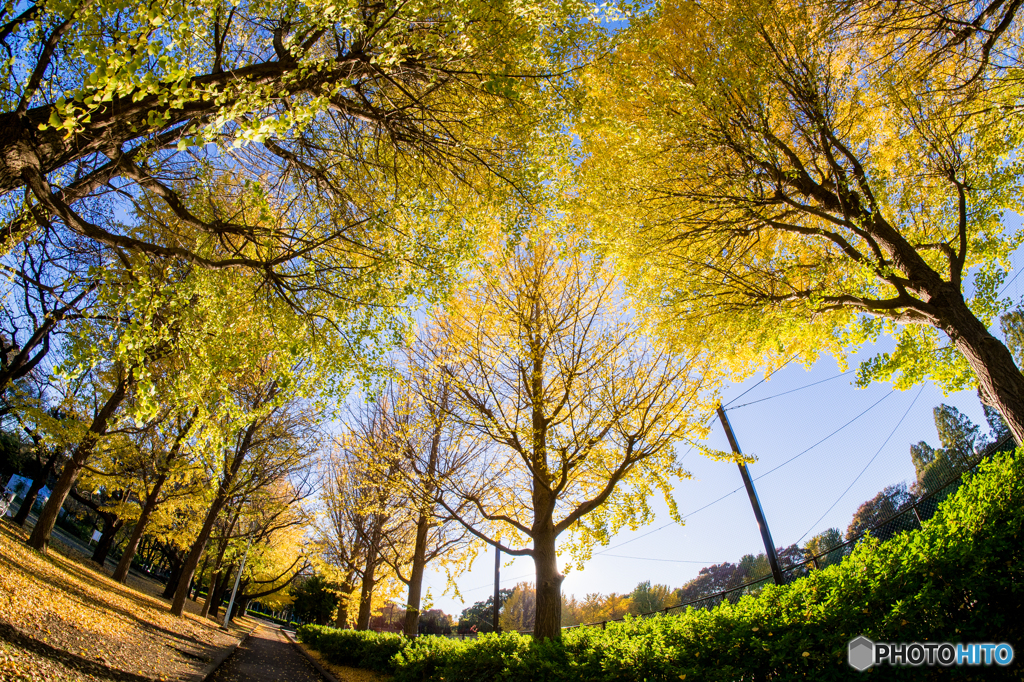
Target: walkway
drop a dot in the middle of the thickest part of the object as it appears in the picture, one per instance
(266, 656)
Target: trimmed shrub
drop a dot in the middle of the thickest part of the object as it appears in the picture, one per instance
(354, 648)
(959, 579)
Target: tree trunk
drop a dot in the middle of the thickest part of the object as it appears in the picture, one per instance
(33, 492)
(217, 566)
(111, 525)
(366, 593)
(40, 538)
(341, 620)
(1001, 381)
(178, 605)
(241, 604)
(121, 572)
(199, 579)
(549, 588)
(176, 565)
(211, 588)
(217, 596)
(419, 563)
(152, 499)
(198, 547)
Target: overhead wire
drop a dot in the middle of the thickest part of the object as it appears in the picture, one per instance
(793, 390)
(673, 561)
(875, 456)
(765, 378)
(804, 452)
(733, 492)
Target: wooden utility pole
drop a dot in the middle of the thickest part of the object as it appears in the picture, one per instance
(497, 581)
(766, 535)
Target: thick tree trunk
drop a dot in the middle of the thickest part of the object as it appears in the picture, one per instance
(217, 568)
(217, 596)
(121, 572)
(198, 547)
(1001, 381)
(241, 604)
(549, 588)
(341, 619)
(40, 538)
(366, 593)
(211, 589)
(197, 584)
(419, 563)
(176, 565)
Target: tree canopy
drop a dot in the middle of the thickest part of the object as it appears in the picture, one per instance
(783, 183)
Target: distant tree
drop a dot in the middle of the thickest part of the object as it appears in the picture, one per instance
(957, 433)
(520, 611)
(961, 441)
(435, 622)
(648, 598)
(998, 430)
(314, 600)
(572, 612)
(822, 543)
(885, 504)
(710, 580)
(575, 408)
(479, 617)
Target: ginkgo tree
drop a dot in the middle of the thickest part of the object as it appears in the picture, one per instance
(576, 408)
(365, 102)
(779, 185)
(416, 448)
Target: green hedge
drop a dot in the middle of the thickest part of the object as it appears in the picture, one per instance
(960, 579)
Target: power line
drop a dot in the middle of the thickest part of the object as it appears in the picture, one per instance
(1003, 288)
(794, 390)
(745, 392)
(636, 538)
(875, 456)
(758, 478)
(729, 494)
(709, 504)
(491, 584)
(763, 379)
(672, 561)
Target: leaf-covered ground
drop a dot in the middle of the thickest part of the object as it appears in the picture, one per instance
(62, 619)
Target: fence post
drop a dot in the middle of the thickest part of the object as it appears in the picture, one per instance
(762, 524)
(814, 560)
(497, 581)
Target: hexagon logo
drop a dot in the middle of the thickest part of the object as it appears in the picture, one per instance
(861, 653)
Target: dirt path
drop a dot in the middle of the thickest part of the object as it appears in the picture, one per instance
(266, 656)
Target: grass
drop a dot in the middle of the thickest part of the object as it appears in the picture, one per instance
(63, 618)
